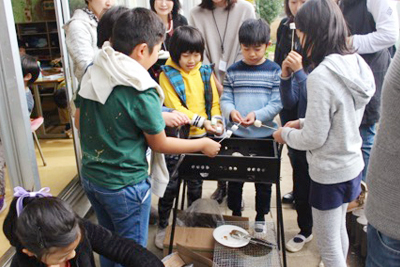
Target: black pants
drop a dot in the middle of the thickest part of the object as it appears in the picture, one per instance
(194, 192)
(301, 190)
(263, 198)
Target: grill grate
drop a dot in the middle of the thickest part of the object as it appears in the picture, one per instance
(250, 255)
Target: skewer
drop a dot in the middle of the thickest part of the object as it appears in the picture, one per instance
(259, 124)
(293, 28)
(230, 132)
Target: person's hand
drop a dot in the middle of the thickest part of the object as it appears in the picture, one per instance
(175, 118)
(210, 147)
(209, 128)
(249, 120)
(293, 124)
(277, 135)
(236, 117)
(292, 63)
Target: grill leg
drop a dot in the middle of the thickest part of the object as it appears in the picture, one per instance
(281, 230)
(175, 213)
(183, 194)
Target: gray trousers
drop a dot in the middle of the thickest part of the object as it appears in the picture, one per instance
(332, 239)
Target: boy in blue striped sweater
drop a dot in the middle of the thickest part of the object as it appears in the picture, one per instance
(251, 92)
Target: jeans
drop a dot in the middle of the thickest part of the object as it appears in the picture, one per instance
(301, 190)
(383, 251)
(263, 199)
(367, 132)
(125, 211)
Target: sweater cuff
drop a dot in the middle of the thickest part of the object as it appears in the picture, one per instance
(198, 121)
(302, 123)
(300, 76)
(285, 78)
(285, 132)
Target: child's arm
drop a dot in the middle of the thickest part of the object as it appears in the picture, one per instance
(291, 89)
(120, 250)
(273, 107)
(172, 101)
(227, 101)
(315, 128)
(216, 109)
(170, 145)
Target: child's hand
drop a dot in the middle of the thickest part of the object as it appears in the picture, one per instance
(175, 118)
(292, 63)
(293, 124)
(236, 117)
(210, 147)
(278, 136)
(209, 128)
(249, 120)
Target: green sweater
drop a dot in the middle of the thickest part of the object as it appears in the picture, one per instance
(112, 136)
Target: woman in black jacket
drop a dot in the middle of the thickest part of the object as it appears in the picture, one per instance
(46, 232)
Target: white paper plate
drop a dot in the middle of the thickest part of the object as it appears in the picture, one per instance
(222, 236)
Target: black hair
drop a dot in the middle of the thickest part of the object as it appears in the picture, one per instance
(325, 30)
(30, 65)
(175, 9)
(44, 223)
(209, 4)
(186, 39)
(254, 32)
(106, 23)
(21, 44)
(137, 26)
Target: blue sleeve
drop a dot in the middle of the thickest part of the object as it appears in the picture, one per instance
(274, 106)
(292, 88)
(227, 101)
(165, 109)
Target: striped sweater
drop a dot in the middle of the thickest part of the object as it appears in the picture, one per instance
(252, 89)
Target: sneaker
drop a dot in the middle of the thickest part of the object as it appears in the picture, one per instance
(260, 227)
(159, 238)
(297, 242)
(288, 198)
(3, 204)
(321, 264)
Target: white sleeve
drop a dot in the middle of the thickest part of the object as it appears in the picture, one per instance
(387, 28)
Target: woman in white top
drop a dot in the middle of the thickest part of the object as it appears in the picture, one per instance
(81, 34)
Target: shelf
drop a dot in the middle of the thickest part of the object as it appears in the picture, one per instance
(30, 34)
(43, 32)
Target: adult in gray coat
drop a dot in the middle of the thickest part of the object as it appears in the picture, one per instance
(383, 178)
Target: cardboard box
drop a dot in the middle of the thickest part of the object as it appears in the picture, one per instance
(185, 256)
(198, 239)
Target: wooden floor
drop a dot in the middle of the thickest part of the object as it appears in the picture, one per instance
(60, 170)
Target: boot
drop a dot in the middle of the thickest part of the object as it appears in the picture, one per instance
(219, 193)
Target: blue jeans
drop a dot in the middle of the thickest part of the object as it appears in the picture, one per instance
(367, 132)
(125, 211)
(383, 251)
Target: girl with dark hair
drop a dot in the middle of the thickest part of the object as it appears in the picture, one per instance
(189, 87)
(338, 90)
(46, 232)
(168, 11)
(106, 23)
(294, 99)
(219, 22)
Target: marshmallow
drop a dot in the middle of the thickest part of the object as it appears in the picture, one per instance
(213, 121)
(234, 127)
(228, 134)
(237, 154)
(292, 26)
(219, 130)
(257, 123)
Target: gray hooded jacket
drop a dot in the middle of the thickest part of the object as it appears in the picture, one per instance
(337, 92)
